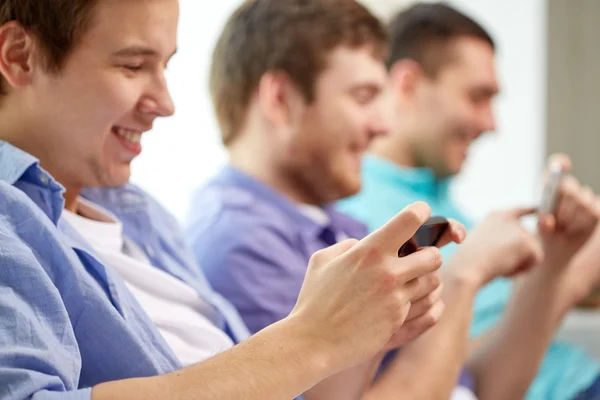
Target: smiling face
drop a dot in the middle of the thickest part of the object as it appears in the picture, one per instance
(89, 117)
(324, 154)
(454, 108)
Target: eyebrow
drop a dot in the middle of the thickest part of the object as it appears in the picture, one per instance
(487, 90)
(362, 86)
(140, 51)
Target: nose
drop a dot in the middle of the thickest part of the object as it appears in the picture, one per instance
(158, 102)
(380, 122)
(378, 128)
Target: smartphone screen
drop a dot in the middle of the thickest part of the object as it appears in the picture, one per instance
(428, 234)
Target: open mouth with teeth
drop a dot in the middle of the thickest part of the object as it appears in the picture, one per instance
(130, 139)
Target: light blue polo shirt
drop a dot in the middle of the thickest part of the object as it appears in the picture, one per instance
(387, 188)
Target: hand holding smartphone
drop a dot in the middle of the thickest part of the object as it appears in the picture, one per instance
(428, 234)
(551, 190)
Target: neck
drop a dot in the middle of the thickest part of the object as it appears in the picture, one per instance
(70, 197)
(20, 133)
(395, 148)
(262, 167)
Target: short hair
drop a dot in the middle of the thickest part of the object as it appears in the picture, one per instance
(291, 36)
(56, 24)
(423, 31)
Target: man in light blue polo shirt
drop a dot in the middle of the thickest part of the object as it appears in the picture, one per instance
(80, 82)
(443, 82)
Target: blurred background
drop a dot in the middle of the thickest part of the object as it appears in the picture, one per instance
(547, 63)
(504, 168)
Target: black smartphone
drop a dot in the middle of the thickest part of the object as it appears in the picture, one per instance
(428, 234)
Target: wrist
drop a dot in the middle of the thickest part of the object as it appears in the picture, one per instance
(311, 347)
(550, 286)
(466, 273)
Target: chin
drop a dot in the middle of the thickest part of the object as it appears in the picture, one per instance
(350, 188)
(457, 169)
(116, 178)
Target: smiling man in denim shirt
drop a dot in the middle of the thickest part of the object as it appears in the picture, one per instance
(80, 81)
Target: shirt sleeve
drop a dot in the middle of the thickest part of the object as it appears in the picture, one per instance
(254, 267)
(39, 357)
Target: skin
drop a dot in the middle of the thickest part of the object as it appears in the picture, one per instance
(439, 118)
(114, 79)
(311, 153)
(442, 115)
(121, 75)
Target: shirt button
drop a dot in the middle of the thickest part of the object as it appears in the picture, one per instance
(44, 179)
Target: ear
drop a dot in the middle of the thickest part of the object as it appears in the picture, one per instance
(405, 76)
(16, 54)
(280, 100)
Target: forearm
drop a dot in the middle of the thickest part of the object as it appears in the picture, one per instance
(429, 367)
(280, 362)
(507, 360)
(350, 384)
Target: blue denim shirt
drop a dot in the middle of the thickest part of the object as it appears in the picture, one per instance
(387, 188)
(67, 323)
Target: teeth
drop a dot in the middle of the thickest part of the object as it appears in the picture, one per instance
(129, 135)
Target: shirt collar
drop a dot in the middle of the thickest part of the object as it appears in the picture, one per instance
(315, 213)
(22, 170)
(420, 180)
(291, 210)
(14, 162)
(127, 198)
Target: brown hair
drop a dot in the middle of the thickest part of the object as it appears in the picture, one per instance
(292, 36)
(422, 32)
(56, 24)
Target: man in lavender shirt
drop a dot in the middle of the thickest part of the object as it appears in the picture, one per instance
(299, 96)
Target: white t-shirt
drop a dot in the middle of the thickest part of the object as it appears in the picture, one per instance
(182, 317)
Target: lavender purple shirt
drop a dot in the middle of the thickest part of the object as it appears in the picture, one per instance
(254, 245)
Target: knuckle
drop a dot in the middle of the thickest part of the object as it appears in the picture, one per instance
(319, 257)
(374, 256)
(435, 257)
(412, 217)
(400, 309)
(435, 280)
(428, 301)
(431, 319)
(388, 280)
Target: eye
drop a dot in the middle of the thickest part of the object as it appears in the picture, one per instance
(133, 68)
(365, 95)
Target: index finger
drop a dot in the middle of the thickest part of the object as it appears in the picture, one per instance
(520, 212)
(456, 233)
(399, 229)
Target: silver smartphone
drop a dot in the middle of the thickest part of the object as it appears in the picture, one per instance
(551, 190)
